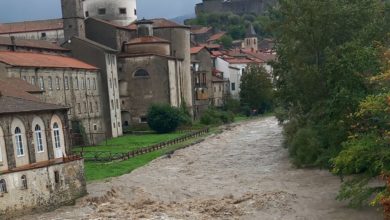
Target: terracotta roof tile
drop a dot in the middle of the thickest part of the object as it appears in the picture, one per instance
(159, 23)
(216, 36)
(195, 50)
(31, 26)
(39, 44)
(25, 59)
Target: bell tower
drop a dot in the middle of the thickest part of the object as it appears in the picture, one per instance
(73, 16)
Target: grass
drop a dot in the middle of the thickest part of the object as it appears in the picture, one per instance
(131, 142)
(98, 171)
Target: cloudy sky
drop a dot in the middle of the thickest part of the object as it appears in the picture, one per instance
(21, 10)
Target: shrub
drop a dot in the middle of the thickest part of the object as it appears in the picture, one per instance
(305, 147)
(214, 117)
(163, 118)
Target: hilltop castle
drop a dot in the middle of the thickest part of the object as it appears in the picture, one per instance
(235, 6)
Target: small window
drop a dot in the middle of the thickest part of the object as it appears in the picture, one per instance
(90, 107)
(33, 80)
(76, 81)
(141, 73)
(117, 104)
(56, 177)
(101, 11)
(79, 108)
(95, 127)
(89, 83)
(24, 182)
(50, 83)
(41, 83)
(122, 11)
(3, 186)
(233, 86)
(112, 104)
(85, 107)
(97, 106)
(143, 119)
(113, 124)
(66, 82)
(43, 35)
(119, 124)
(86, 14)
(58, 83)
(94, 84)
(135, 11)
(126, 123)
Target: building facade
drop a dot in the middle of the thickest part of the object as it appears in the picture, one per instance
(65, 81)
(36, 171)
(106, 60)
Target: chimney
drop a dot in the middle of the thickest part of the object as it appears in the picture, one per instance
(13, 43)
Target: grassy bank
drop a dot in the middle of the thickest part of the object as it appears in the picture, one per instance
(98, 171)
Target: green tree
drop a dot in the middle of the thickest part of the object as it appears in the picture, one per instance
(326, 49)
(163, 118)
(226, 41)
(256, 90)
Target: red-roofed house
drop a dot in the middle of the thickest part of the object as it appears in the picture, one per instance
(214, 38)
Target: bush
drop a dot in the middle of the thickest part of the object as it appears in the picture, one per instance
(163, 118)
(214, 117)
(305, 147)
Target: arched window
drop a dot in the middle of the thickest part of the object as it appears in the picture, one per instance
(141, 73)
(24, 182)
(19, 142)
(38, 138)
(57, 140)
(3, 186)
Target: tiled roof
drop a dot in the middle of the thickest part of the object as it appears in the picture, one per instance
(200, 30)
(14, 98)
(266, 57)
(21, 85)
(147, 40)
(239, 60)
(39, 44)
(216, 36)
(218, 79)
(195, 50)
(25, 59)
(160, 23)
(211, 46)
(31, 26)
(17, 105)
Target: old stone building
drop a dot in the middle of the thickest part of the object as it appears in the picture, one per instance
(202, 79)
(220, 87)
(36, 172)
(160, 44)
(148, 74)
(65, 81)
(106, 60)
(234, 6)
(50, 30)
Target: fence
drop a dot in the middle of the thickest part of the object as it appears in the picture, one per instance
(107, 156)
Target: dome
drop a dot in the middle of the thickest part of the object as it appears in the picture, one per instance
(119, 12)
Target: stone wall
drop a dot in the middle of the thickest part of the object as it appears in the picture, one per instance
(43, 192)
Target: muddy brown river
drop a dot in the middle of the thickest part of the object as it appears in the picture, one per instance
(242, 173)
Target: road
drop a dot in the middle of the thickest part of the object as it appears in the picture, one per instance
(242, 173)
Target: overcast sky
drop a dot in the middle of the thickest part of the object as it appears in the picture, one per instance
(22, 10)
